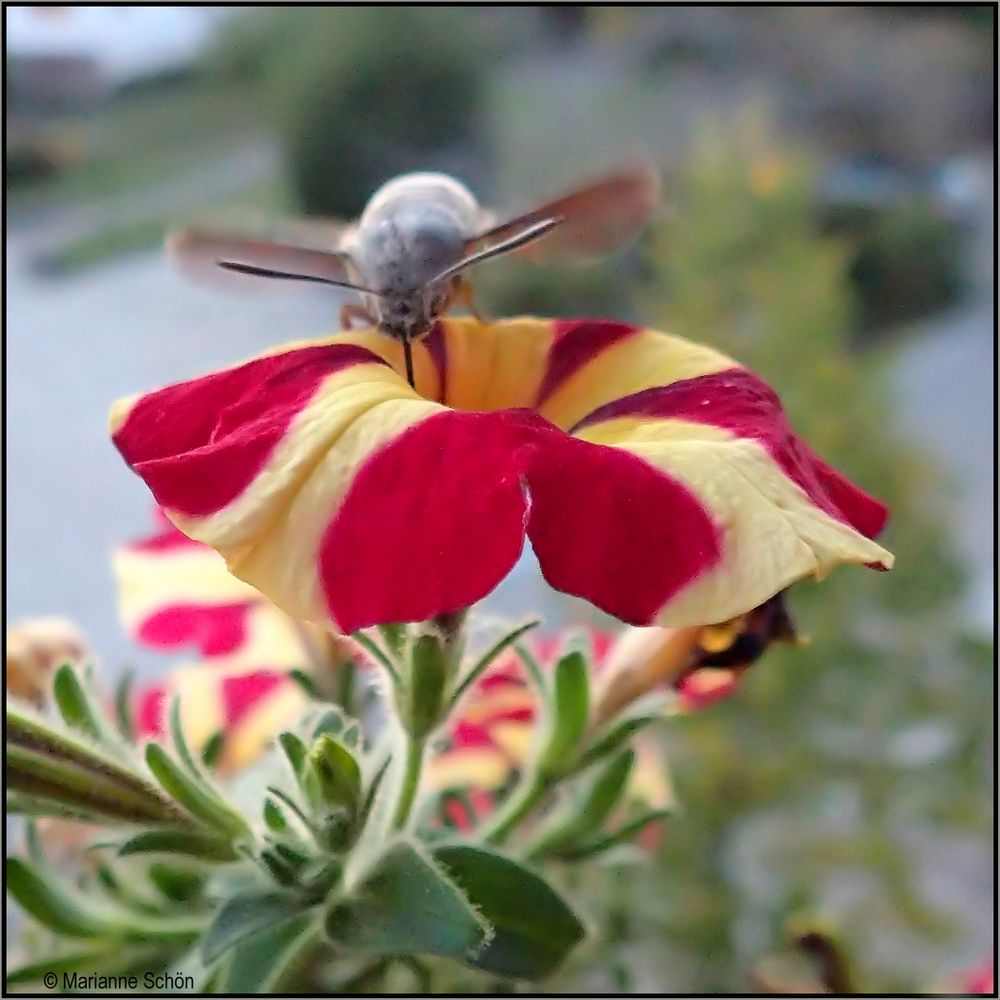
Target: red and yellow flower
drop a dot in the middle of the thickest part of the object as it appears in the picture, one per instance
(654, 477)
(175, 593)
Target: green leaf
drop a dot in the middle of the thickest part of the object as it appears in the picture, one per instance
(176, 884)
(293, 806)
(489, 656)
(330, 721)
(613, 737)
(626, 833)
(378, 654)
(123, 705)
(212, 750)
(53, 904)
(42, 777)
(372, 794)
(48, 764)
(190, 843)
(295, 751)
(258, 965)
(245, 916)
(179, 740)
(193, 793)
(337, 772)
(73, 704)
(274, 818)
(407, 906)
(306, 682)
(534, 928)
(535, 673)
(570, 710)
(73, 961)
(588, 812)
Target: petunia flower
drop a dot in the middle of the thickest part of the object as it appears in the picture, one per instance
(175, 593)
(654, 477)
(248, 707)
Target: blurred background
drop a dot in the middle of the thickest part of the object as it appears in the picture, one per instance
(830, 223)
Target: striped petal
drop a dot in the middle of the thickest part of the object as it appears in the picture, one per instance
(248, 707)
(654, 477)
(174, 593)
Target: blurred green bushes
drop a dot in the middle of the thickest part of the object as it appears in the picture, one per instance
(906, 263)
(840, 769)
(362, 93)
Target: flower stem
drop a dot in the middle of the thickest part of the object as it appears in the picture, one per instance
(525, 797)
(411, 781)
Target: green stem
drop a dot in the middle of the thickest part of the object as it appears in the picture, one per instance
(346, 675)
(525, 797)
(411, 781)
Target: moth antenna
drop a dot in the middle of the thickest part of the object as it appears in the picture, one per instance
(264, 272)
(529, 235)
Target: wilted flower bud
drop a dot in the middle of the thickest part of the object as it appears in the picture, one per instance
(702, 664)
(36, 648)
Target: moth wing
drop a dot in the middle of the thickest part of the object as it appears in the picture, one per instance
(593, 220)
(229, 254)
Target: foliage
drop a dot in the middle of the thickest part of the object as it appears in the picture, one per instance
(330, 852)
(364, 93)
(906, 262)
(889, 715)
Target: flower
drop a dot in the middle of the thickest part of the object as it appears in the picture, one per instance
(654, 477)
(248, 707)
(702, 664)
(35, 649)
(174, 592)
(981, 980)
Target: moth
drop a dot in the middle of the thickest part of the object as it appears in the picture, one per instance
(409, 253)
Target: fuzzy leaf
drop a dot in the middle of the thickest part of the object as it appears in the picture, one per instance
(534, 928)
(570, 709)
(193, 793)
(245, 916)
(190, 843)
(583, 814)
(55, 905)
(338, 774)
(43, 778)
(407, 906)
(295, 751)
(257, 965)
(74, 705)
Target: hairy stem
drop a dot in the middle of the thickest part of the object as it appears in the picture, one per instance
(411, 781)
(528, 794)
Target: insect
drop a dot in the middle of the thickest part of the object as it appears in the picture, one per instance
(409, 252)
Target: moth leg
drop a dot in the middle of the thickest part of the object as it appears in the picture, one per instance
(351, 311)
(465, 295)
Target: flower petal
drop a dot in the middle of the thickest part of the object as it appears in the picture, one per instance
(175, 592)
(616, 530)
(355, 500)
(782, 514)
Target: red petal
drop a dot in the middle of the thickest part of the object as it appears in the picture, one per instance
(610, 528)
(199, 444)
(432, 522)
